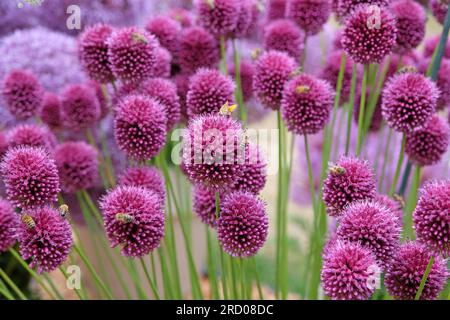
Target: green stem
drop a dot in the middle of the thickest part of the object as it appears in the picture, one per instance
(258, 282)
(212, 269)
(412, 200)
(5, 291)
(12, 285)
(149, 279)
(52, 286)
(350, 108)
(424, 278)
(405, 178)
(362, 110)
(79, 292)
(436, 64)
(310, 174)
(399, 167)
(165, 275)
(224, 273)
(385, 159)
(239, 93)
(223, 56)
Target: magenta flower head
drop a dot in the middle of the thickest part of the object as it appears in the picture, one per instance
(247, 71)
(439, 9)
(348, 181)
(134, 219)
(431, 44)
(208, 91)
(77, 165)
(306, 104)
(166, 30)
(276, 9)
(184, 17)
(431, 216)
(411, 18)
(22, 94)
(31, 135)
(284, 35)
(9, 223)
(80, 107)
(220, 17)
(254, 171)
(272, 70)
(132, 54)
(140, 127)
(243, 224)
(51, 111)
(212, 149)
(165, 92)
(309, 15)
(394, 205)
(442, 80)
(30, 177)
(45, 238)
(349, 272)
(198, 48)
(408, 101)
(204, 205)
(345, 7)
(245, 19)
(403, 276)
(373, 226)
(368, 40)
(163, 63)
(145, 177)
(426, 145)
(93, 52)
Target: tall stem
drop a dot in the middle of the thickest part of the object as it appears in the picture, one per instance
(223, 56)
(437, 59)
(424, 278)
(411, 203)
(13, 286)
(385, 160)
(239, 94)
(350, 108)
(362, 110)
(149, 279)
(399, 167)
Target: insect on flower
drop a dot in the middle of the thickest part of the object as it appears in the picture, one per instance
(124, 217)
(337, 170)
(64, 210)
(28, 221)
(227, 110)
(137, 37)
(255, 53)
(302, 89)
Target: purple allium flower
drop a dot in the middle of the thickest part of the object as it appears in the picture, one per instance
(245, 19)
(184, 17)
(442, 81)
(93, 52)
(208, 91)
(411, 18)
(243, 224)
(163, 64)
(432, 43)
(349, 272)
(377, 116)
(166, 30)
(254, 171)
(51, 111)
(198, 48)
(310, 15)
(405, 273)
(80, 107)
(145, 177)
(132, 54)
(373, 226)
(408, 101)
(9, 223)
(397, 62)
(77, 165)
(134, 219)
(348, 181)
(31, 135)
(165, 92)
(140, 127)
(204, 205)
(272, 70)
(220, 17)
(101, 97)
(426, 145)
(276, 9)
(395, 205)
(211, 151)
(124, 91)
(284, 35)
(366, 40)
(439, 9)
(344, 7)
(47, 241)
(432, 216)
(22, 94)
(247, 71)
(306, 104)
(30, 177)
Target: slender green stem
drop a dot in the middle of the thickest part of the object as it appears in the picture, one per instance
(239, 93)
(385, 160)
(362, 110)
(234, 283)
(350, 108)
(165, 275)
(258, 281)
(405, 178)
(436, 64)
(52, 286)
(411, 203)
(424, 278)
(223, 56)
(79, 292)
(149, 279)
(13, 286)
(212, 269)
(399, 167)
(310, 174)
(223, 263)
(5, 291)
(92, 206)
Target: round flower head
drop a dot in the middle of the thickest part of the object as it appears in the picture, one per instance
(204, 205)
(101, 98)
(211, 149)
(31, 135)
(367, 40)
(349, 272)
(439, 9)
(431, 44)
(45, 238)
(394, 205)
(220, 17)
(284, 35)
(345, 7)
(165, 92)
(408, 101)
(51, 111)
(404, 274)
(134, 219)
(254, 175)
(411, 19)
(349, 180)
(184, 17)
(426, 145)
(198, 48)
(30, 177)
(163, 64)
(166, 30)
(140, 127)
(243, 224)
(306, 104)
(373, 226)
(93, 52)
(208, 91)
(244, 20)
(276, 9)
(77, 165)
(310, 15)
(145, 177)
(432, 216)
(272, 70)
(22, 94)
(9, 222)
(123, 92)
(247, 70)
(79, 106)
(442, 81)
(132, 54)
